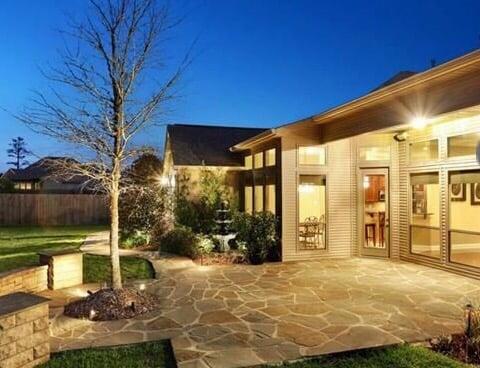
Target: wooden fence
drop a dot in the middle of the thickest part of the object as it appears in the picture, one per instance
(52, 209)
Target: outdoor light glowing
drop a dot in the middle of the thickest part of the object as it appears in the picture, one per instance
(419, 122)
(141, 287)
(164, 181)
(92, 314)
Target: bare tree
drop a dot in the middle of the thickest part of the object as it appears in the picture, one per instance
(105, 92)
(18, 152)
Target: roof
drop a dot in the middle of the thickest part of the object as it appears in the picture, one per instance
(39, 170)
(400, 83)
(195, 145)
(404, 74)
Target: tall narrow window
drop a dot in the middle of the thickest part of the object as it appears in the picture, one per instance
(270, 157)
(248, 199)
(425, 215)
(258, 160)
(464, 221)
(258, 198)
(311, 155)
(270, 204)
(248, 162)
(312, 212)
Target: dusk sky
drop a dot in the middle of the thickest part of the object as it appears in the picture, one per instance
(257, 62)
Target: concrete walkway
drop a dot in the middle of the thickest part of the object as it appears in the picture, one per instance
(233, 316)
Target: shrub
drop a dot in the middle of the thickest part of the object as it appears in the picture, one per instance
(258, 233)
(141, 209)
(181, 241)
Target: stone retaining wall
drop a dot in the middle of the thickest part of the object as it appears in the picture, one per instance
(24, 337)
(31, 280)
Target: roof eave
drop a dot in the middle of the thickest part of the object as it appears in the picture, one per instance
(259, 138)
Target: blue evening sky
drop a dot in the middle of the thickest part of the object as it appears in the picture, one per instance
(257, 62)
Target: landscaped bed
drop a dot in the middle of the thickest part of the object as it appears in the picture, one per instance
(156, 354)
(19, 247)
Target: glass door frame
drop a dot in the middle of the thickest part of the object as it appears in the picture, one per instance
(370, 251)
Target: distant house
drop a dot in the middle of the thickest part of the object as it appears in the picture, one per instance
(40, 177)
(189, 149)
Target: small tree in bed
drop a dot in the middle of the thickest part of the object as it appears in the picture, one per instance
(104, 92)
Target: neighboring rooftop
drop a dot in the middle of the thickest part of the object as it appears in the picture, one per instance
(39, 170)
(404, 74)
(206, 144)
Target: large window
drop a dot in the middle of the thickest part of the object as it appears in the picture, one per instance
(270, 204)
(463, 145)
(311, 155)
(425, 215)
(270, 157)
(258, 198)
(258, 160)
(464, 219)
(248, 163)
(424, 151)
(312, 212)
(248, 199)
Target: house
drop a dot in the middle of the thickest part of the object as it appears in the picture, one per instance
(189, 149)
(392, 174)
(40, 177)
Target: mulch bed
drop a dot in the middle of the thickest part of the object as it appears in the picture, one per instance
(226, 258)
(458, 347)
(109, 304)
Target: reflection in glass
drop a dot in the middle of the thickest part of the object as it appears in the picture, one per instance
(425, 215)
(424, 151)
(248, 199)
(380, 153)
(464, 220)
(463, 145)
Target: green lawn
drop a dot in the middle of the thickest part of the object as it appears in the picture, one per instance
(19, 247)
(146, 355)
(404, 356)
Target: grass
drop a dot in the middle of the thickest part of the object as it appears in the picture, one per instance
(156, 354)
(19, 247)
(403, 356)
(97, 268)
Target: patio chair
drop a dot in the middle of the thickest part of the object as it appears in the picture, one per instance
(308, 232)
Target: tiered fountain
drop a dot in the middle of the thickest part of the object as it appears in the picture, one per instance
(223, 221)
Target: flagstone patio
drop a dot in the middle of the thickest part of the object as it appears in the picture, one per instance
(231, 316)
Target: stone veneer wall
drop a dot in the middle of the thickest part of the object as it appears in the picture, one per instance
(24, 336)
(32, 280)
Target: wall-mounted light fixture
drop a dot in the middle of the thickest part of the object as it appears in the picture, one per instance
(401, 137)
(419, 122)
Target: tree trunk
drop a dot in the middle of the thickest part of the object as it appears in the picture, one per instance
(114, 227)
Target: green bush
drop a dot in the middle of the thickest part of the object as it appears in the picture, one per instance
(181, 241)
(258, 233)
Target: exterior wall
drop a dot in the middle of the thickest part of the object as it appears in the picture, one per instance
(32, 280)
(340, 212)
(439, 131)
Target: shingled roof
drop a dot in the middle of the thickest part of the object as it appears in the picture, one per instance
(40, 170)
(207, 145)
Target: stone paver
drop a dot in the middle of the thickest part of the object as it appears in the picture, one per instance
(231, 316)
